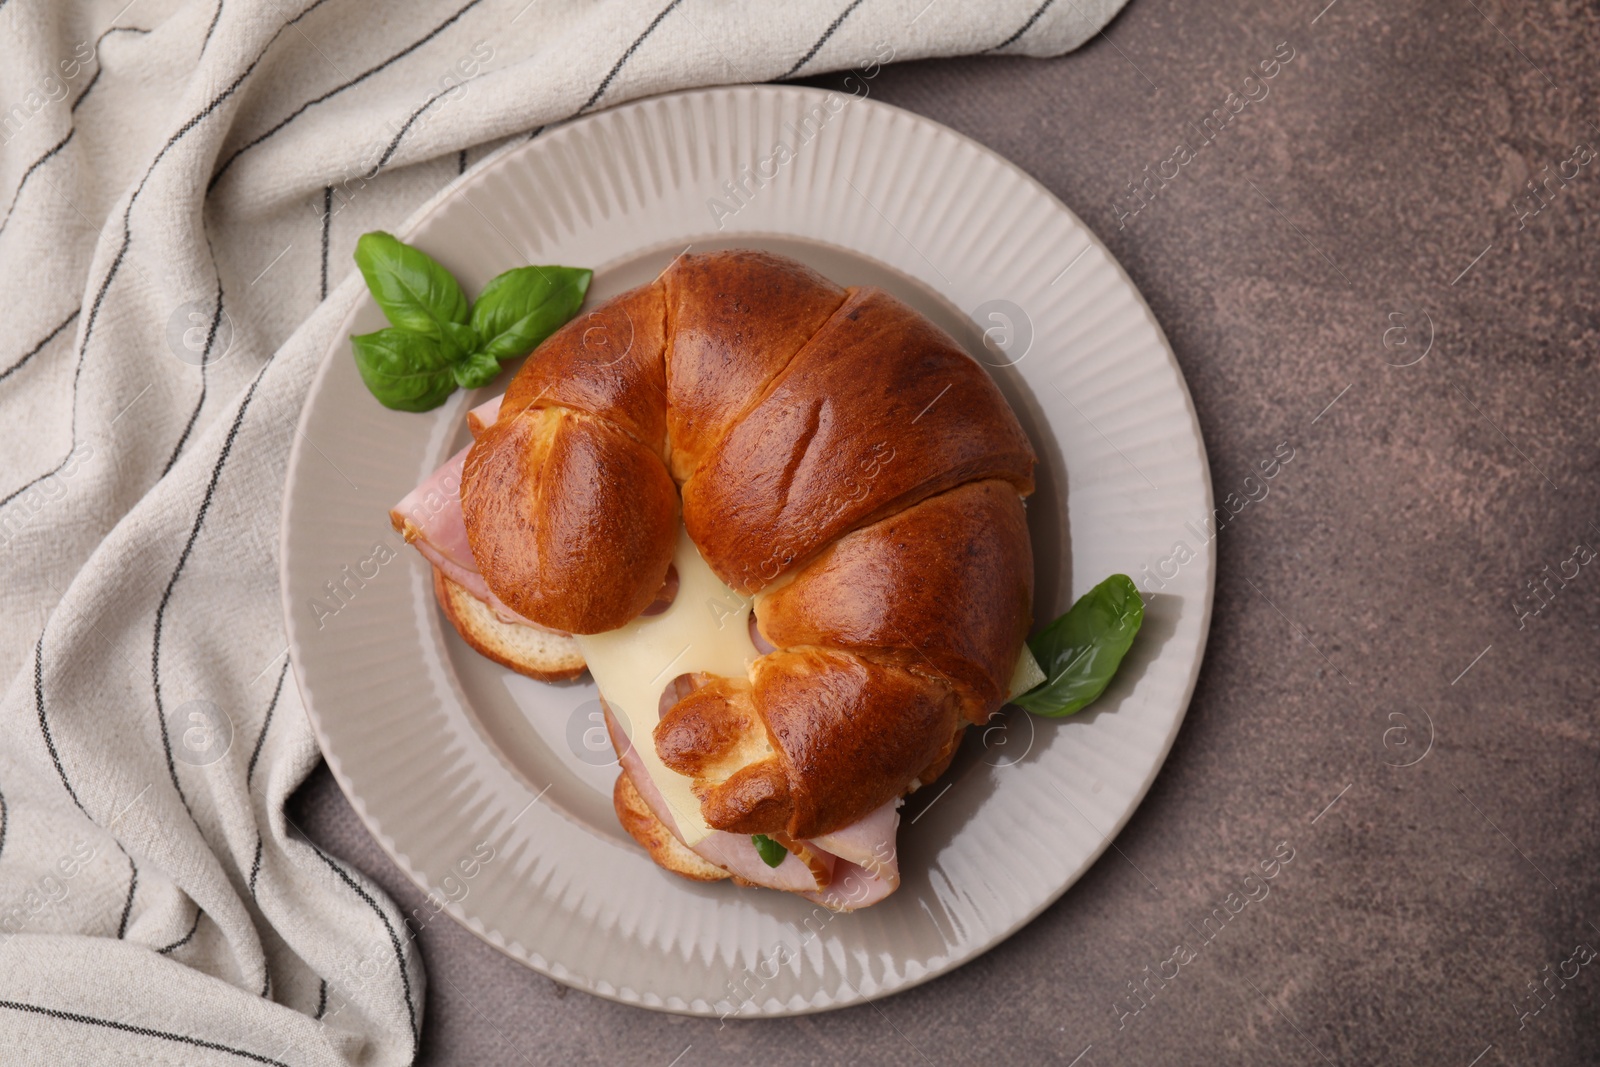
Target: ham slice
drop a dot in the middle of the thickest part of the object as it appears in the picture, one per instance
(483, 416)
(869, 842)
(832, 881)
(854, 887)
(869, 866)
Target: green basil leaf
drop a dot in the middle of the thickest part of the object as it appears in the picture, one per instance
(520, 308)
(476, 371)
(1081, 651)
(405, 371)
(411, 287)
(459, 341)
(770, 851)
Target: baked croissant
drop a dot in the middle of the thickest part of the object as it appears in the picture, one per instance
(851, 478)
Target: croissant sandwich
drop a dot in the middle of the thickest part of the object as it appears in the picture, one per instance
(781, 523)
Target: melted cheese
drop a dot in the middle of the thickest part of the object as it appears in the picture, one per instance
(706, 628)
(1027, 674)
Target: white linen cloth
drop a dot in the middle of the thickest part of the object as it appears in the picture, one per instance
(181, 185)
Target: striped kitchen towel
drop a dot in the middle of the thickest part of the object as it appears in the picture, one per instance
(172, 267)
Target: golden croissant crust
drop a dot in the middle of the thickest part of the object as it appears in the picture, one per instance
(833, 437)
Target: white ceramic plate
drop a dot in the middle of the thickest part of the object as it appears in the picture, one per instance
(450, 758)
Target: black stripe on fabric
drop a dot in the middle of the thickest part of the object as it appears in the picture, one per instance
(5, 820)
(95, 77)
(1026, 26)
(127, 239)
(36, 349)
(97, 65)
(186, 938)
(182, 132)
(133, 887)
(142, 1031)
(83, 348)
(255, 753)
(327, 231)
(44, 727)
(405, 128)
(205, 360)
(216, 16)
(322, 1001)
(183, 559)
(352, 83)
(35, 165)
(829, 32)
(616, 68)
(255, 868)
(35, 481)
(461, 162)
(605, 84)
(394, 940)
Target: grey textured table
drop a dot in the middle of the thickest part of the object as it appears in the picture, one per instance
(1372, 611)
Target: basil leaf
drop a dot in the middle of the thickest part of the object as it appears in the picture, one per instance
(459, 341)
(523, 306)
(405, 371)
(476, 371)
(770, 851)
(1081, 651)
(437, 341)
(411, 287)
